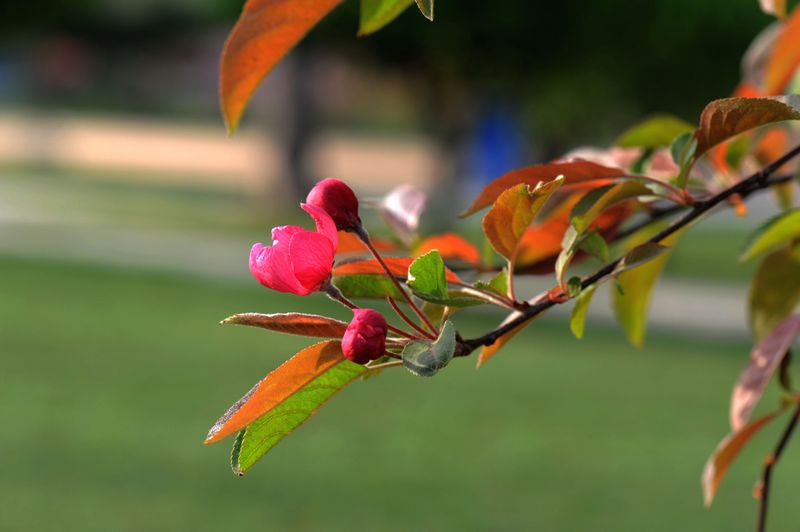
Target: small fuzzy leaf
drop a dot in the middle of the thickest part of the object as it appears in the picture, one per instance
(778, 231)
(655, 132)
(682, 148)
(426, 276)
(639, 255)
(264, 33)
(577, 320)
(764, 360)
(513, 212)
(425, 358)
(775, 291)
(292, 323)
(723, 119)
(376, 14)
(725, 454)
(575, 171)
(497, 284)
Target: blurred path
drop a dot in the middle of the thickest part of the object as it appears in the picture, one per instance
(680, 305)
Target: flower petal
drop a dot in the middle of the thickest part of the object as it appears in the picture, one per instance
(311, 256)
(271, 266)
(325, 224)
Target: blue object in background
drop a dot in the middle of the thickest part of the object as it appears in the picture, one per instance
(497, 145)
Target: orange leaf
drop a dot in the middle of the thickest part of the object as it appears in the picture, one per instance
(513, 212)
(785, 56)
(725, 118)
(764, 361)
(350, 244)
(574, 171)
(451, 247)
(725, 453)
(276, 387)
(397, 265)
(264, 33)
(491, 350)
(292, 323)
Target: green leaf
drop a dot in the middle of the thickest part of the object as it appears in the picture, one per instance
(683, 151)
(497, 284)
(426, 276)
(655, 132)
(639, 255)
(578, 318)
(366, 286)
(636, 277)
(574, 286)
(426, 8)
(776, 232)
(775, 291)
(375, 14)
(263, 434)
(595, 245)
(425, 358)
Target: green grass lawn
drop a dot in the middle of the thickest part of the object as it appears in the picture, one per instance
(110, 380)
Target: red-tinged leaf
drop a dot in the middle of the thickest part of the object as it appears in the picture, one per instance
(491, 350)
(574, 171)
(451, 247)
(264, 33)
(513, 212)
(397, 265)
(349, 244)
(541, 243)
(785, 56)
(725, 454)
(277, 387)
(774, 7)
(292, 323)
(723, 119)
(764, 360)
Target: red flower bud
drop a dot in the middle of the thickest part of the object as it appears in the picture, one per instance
(338, 200)
(365, 337)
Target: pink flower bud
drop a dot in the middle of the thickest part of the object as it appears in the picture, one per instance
(338, 200)
(365, 337)
(298, 261)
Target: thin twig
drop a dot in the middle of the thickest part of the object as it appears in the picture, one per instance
(769, 463)
(337, 295)
(364, 236)
(408, 320)
(745, 187)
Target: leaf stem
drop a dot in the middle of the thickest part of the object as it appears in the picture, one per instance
(408, 320)
(364, 236)
(337, 295)
(766, 475)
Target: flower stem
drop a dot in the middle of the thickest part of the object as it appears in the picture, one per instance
(364, 236)
(408, 320)
(337, 295)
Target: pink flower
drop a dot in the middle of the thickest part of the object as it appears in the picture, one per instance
(298, 261)
(338, 200)
(365, 337)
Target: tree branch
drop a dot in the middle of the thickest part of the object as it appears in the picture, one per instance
(759, 180)
(766, 475)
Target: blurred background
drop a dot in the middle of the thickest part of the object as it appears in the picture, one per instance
(126, 217)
